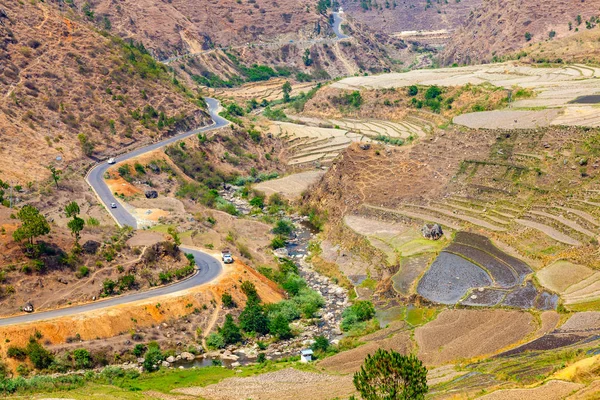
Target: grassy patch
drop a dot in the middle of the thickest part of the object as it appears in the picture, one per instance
(593, 305)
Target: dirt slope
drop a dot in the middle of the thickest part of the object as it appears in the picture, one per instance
(498, 27)
(60, 79)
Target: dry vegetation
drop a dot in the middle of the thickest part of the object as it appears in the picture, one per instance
(68, 91)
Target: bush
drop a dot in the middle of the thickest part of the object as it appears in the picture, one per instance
(253, 318)
(277, 243)
(18, 353)
(360, 311)
(227, 300)
(230, 331)
(283, 227)
(83, 272)
(280, 327)
(138, 350)
(413, 90)
(152, 359)
(39, 356)
(82, 359)
(321, 343)
(433, 92)
(215, 341)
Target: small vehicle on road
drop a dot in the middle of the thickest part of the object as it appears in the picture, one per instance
(113, 205)
(226, 256)
(111, 160)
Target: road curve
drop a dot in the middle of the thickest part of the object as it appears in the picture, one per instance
(337, 26)
(208, 268)
(95, 177)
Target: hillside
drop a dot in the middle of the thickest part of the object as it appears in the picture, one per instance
(498, 27)
(70, 92)
(184, 26)
(416, 15)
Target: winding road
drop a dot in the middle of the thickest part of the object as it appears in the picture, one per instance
(208, 267)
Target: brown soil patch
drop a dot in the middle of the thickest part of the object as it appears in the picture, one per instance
(145, 238)
(288, 384)
(562, 274)
(290, 186)
(553, 390)
(591, 392)
(464, 334)
(351, 360)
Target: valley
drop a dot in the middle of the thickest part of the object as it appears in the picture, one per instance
(232, 200)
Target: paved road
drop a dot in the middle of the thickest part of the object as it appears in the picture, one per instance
(337, 26)
(95, 177)
(208, 269)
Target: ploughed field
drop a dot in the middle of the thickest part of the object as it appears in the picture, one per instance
(472, 271)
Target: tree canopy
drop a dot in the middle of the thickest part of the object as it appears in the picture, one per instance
(33, 224)
(388, 375)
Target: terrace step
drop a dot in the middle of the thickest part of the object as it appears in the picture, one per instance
(549, 231)
(418, 216)
(466, 218)
(567, 222)
(588, 217)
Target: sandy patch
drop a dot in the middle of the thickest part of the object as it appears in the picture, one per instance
(592, 392)
(464, 334)
(290, 186)
(288, 384)
(553, 390)
(562, 274)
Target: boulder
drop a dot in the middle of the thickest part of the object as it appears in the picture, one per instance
(171, 359)
(433, 232)
(151, 194)
(281, 253)
(187, 356)
(165, 364)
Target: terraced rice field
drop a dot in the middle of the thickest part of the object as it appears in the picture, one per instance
(464, 334)
(573, 224)
(410, 127)
(561, 275)
(473, 272)
(555, 90)
(313, 145)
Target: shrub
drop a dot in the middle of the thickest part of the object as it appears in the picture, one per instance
(283, 227)
(152, 359)
(83, 272)
(138, 350)
(227, 300)
(280, 327)
(321, 343)
(230, 331)
(413, 90)
(39, 356)
(18, 353)
(277, 243)
(253, 318)
(82, 359)
(360, 311)
(215, 341)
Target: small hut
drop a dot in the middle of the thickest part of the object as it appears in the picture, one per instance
(306, 355)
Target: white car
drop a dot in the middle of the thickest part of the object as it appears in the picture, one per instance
(113, 205)
(111, 160)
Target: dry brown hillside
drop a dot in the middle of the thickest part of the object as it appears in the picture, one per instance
(498, 27)
(68, 91)
(184, 26)
(392, 16)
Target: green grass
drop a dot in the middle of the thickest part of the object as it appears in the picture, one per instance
(164, 381)
(593, 305)
(420, 316)
(369, 283)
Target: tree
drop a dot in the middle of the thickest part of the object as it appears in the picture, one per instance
(388, 375)
(306, 58)
(230, 331)
(55, 174)
(72, 209)
(33, 224)
(528, 36)
(413, 90)
(280, 327)
(86, 145)
(171, 231)
(287, 89)
(76, 224)
(254, 318)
